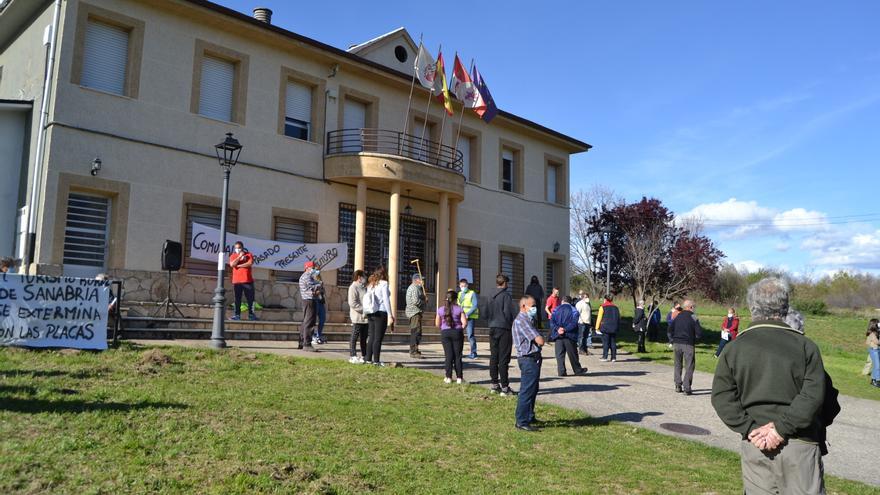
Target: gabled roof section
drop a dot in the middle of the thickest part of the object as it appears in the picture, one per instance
(360, 48)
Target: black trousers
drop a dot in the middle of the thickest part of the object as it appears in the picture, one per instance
(564, 346)
(310, 318)
(248, 290)
(453, 347)
(500, 345)
(358, 333)
(653, 330)
(640, 339)
(377, 325)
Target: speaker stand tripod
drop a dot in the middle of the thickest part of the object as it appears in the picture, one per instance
(168, 303)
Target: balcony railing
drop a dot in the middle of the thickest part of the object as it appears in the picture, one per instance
(394, 143)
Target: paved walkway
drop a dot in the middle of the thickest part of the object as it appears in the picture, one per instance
(632, 391)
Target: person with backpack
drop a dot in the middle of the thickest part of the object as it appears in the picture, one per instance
(564, 332)
(771, 388)
(452, 319)
(608, 323)
(377, 307)
(500, 313)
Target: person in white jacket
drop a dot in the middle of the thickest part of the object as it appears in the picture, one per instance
(585, 312)
(377, 308)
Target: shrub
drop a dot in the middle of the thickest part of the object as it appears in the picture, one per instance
(813, 307)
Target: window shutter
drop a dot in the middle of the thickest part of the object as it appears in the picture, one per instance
(215, 96)
(105, 57)
(299, 102)
(507, 155)
(354, 115)
(210, 216)
(293, 230)
(511, 264)
(551, 183)
(464, 145)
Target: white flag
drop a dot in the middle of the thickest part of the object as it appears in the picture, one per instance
(426, 69)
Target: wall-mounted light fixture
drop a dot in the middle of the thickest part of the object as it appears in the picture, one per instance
(407, 210)
(96, 167)
(555, 247)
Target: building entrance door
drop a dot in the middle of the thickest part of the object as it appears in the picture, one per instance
(417, 241)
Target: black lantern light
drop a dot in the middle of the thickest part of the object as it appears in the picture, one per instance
(228, 151)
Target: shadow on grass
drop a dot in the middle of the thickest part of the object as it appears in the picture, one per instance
(583, 387)
(37, 406)
(586, 421)
(617, 373)
(53, 373)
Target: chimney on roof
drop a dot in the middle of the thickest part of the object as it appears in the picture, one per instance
(263, 14)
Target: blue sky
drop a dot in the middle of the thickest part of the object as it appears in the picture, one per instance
(762, 118)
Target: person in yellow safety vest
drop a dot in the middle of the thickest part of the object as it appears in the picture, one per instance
(470, 305)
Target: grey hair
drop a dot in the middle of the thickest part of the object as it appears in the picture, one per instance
(795, 320)
(768, 299)
(101, 276)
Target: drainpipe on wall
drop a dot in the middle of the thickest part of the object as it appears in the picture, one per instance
(31, 237)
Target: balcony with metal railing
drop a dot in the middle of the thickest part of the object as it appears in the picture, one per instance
(386, 155)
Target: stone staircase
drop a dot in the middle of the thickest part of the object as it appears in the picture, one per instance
(140, 321)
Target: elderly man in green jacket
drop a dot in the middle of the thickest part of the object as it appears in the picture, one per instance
(770, 387)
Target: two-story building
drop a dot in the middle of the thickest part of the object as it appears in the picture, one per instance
(110, 110)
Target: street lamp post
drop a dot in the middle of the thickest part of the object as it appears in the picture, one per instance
(227, 154)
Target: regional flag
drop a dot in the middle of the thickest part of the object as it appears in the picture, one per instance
(464, 89)
(490, 110)
(426, 70)
(443, 97)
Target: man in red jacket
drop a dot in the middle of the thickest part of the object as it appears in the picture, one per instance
(240, 263)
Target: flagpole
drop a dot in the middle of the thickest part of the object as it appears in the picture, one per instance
(412, 86)
(443, 121)
(460, 120)
(428, 107)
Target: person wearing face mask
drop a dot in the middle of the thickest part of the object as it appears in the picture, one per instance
(729, 329)
(308, 285)
(241, 263)
(469, 302)
(527, 342)
(358, 320)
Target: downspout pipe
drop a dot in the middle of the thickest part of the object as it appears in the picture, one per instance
(33, 204)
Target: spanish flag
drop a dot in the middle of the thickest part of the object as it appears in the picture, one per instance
(443, 97)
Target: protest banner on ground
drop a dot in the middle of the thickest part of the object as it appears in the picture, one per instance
(274, 255)
(42, 311)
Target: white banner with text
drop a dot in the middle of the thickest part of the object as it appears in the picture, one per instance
(42, 311)
(273, 255)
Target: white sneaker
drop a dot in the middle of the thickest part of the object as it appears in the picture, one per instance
(314, 342)
(360, 359)
(353, 360)
(447, 380)
(458, 381)
(603, 360)
(381, 364)
(613, 360)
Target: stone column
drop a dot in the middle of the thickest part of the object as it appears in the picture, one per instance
(442, 249)
(394, 245)
(360, 225)
(453, 242)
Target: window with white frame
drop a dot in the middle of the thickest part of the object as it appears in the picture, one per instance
(552, 172)
(298, 111)
(216, 88)
(105, 57)
(508, 170)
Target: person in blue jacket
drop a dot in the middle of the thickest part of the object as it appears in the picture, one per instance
(564, 332)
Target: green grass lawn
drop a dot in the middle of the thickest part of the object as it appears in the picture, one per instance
(178, 420)
(841, 340)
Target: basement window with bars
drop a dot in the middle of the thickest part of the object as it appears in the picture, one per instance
(210, 216)
(469, 257)
(86, 235)
(297, 231)
(511, 264)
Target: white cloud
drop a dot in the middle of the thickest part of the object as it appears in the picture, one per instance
(800, 219)
(782, 246)
(839, 250)
(733, 218)
(748, 266)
